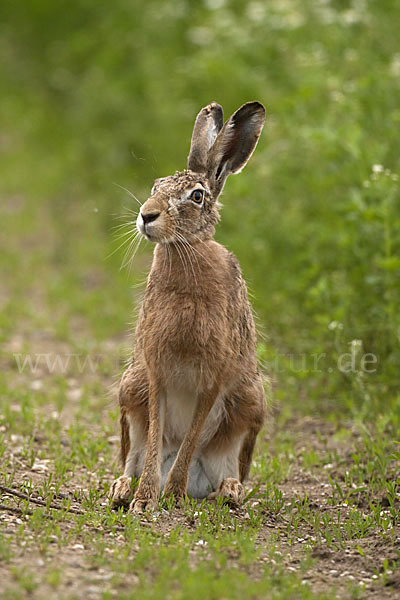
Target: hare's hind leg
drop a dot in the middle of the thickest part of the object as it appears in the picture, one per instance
(222, 468)
(232, 466)
(231, 488)
(133, 399)
(258, 417)
(246, 453)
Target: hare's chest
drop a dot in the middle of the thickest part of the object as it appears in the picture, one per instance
(182, 327)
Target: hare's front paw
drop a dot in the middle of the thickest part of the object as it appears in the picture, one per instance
(231, 490)
(146, 497)
(121, 491)
(141, 505)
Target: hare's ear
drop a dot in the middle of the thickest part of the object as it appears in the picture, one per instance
(207, 126)
(235, 144)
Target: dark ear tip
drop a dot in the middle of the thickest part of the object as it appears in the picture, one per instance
(214, 110)
(212, 107)
(257, 107)
(250, 110)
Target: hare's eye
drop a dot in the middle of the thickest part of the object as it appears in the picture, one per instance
(197, 196)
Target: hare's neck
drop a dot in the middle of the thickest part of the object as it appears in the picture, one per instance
(182, 267)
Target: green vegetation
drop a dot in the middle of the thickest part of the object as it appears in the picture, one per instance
(97, 98)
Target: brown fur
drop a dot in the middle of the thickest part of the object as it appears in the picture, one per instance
(125, 443)
(246, 452)
(195, 316)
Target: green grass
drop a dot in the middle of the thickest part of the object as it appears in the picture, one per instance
(94, 96)
(336, 492)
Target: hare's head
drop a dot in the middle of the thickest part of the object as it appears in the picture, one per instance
(183, 207)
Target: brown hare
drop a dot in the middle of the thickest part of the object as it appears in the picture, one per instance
(192, 400)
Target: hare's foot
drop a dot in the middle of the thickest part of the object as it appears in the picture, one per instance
(231, 490)
(141, 505)
(121, 491)
(146, 497)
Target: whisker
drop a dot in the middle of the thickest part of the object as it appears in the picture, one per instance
(169, 262)
(132, 195)
(196, 249)
(122, 225)
(123, 234)
(186, 253)
(139, 284)
(130, 212)
(200, 241)
(125, 241)
(182, 259)
(191, 263)
(135, 252)
(133, 248)
(189, 247)
(180, 253)
(132, 243)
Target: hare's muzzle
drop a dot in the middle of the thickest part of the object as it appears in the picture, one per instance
(145, 221)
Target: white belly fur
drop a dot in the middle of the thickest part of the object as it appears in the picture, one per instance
(179, 411)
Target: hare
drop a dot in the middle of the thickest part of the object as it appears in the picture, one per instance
(192, 400)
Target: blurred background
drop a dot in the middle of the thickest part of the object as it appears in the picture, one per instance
(99, 95)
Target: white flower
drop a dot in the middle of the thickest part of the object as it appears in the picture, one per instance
(377, 168)
(355, 344)
(335, 325)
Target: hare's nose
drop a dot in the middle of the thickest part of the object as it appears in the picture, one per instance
(149, 217)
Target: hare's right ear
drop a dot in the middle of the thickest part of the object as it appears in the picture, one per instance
(235, 144)
(207, 126)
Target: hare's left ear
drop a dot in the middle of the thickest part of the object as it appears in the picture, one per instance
(235, 144)
(207, 126)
